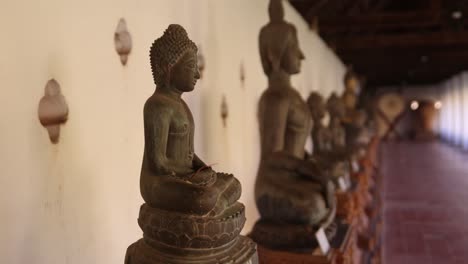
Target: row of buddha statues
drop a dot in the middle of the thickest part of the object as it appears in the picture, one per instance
(191, 213)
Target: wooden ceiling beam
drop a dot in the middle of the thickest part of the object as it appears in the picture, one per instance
(361, 6)
(379, 21)
(371, 70)
(380, 5)
(414, 76)
(314, 9)
(410, 56)
(394, 41)
(399, 79)
(405, 51)
(404, 40)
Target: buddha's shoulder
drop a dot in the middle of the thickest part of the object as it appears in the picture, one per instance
(158, 104)
(276, 95)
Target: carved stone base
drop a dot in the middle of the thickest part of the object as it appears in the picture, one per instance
(240, 251)
(288, 236)
(268, 256)
(175, 238)
(342, 252)
(189, 231)
(344, 245)
(346, 206)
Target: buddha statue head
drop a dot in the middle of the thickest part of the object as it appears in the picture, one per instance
(278, 43)
(317, 106)
(336, 107)
(352, 89)
(174, 61)
(351, 81)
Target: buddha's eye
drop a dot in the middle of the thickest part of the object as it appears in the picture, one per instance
(190, 64)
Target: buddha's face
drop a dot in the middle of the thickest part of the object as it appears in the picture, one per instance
(337, 108)
(184, 74)
(352, 85)
(321, 109)
(292, 58)
(318, 110)
(349, 100)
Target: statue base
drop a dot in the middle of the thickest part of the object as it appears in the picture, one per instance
(346, 207)
(240, 251)
(288, 236)
(175, 238)
(342, 251)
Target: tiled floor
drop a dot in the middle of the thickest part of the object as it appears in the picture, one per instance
(426, 204)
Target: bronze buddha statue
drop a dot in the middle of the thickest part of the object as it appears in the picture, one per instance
(337, 111)
(321, 134)
(191, 213)
(354, 119)
(293, 195)
(328, 141)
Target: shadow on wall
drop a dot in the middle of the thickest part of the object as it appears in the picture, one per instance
(62, 211)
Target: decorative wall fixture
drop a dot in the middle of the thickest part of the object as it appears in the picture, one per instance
(123, 41)
(224, 111)
(390, 110)
(201, 61)
(242, 74)
(53, 110)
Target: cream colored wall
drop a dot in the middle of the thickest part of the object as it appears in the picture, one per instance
(77, 202)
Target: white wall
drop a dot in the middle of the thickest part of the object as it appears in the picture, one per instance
(454, 113)
(77, 202)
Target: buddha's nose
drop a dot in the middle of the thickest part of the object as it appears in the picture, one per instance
(197, 74)
(301, 55)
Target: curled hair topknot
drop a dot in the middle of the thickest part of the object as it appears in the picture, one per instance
(167, 50)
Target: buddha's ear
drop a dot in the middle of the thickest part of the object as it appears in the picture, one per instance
(168, 75)
(275, 63)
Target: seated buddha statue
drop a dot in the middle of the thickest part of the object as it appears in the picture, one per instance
(293, 195)
(354, 119)
(321, 135)
(336, 109)
(326, 138)
(191, 213)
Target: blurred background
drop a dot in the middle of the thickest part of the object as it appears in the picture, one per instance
(77, 201)
(416, 49)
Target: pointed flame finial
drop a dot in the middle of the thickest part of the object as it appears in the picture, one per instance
(276, 11)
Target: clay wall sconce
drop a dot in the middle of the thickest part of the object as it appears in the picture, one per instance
(123, 41)
(201, 61)
(224, 111)
(242, 74)
(53, 110)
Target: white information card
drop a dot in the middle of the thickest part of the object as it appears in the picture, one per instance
(355, 166)
(343, 184)
(323, 241)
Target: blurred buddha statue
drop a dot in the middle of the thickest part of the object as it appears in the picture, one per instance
(354, 119)
(321, 135)
(293, 194)
(337, 111)
(191, 214)
(328, 142)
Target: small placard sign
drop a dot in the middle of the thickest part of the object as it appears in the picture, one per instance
(322, 240)
(355, 166)
(348, 179)
(342, 183)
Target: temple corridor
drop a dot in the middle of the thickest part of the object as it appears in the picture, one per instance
(426, 198)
